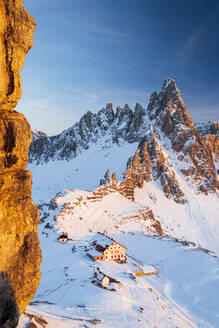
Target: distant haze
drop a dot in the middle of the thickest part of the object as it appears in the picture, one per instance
(88, 53)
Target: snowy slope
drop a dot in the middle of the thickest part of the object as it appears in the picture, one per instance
(195, 221)
(182, 295)
(82, 172)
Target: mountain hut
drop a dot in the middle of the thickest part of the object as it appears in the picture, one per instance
(63, 238)
(103, 279)
(104, 248)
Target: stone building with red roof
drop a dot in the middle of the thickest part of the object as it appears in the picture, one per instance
(104, 248)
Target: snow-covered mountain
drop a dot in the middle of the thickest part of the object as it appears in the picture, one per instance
(118, 127)
(164, 127)
(148, 178)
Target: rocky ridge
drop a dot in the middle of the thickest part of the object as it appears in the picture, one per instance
(116, 127)
(169, 143)
(19, 217)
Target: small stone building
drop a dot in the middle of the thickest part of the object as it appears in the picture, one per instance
(63, 238)
(104, 248)
(102, 279)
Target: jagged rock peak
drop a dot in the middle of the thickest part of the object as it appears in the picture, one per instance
(168, 108)
(127, 107)
(116, 126)
(170, 84)
(109, 106)
(169, 116)
(138, 107)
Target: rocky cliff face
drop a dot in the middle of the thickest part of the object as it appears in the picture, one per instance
(161, 169)
(171, 119)
(19, 244)
(211, 133)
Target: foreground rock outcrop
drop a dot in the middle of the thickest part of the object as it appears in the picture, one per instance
(19, 217)
(16, 29)
(9, 314)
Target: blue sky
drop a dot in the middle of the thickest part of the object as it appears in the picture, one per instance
(90, 52)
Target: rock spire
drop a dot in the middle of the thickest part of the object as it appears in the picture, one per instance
(169, 116)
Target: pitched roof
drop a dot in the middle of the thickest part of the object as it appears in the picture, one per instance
(103, 240)
(102, 275)
(93, 252)
(149, 268)
(63, 236)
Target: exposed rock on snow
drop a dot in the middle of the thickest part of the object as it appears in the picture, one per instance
(106, 209)
(170, 116)
(124, 125)
(161, 168)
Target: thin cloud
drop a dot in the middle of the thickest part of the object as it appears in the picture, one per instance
(77, 94)
(190, 44)
(92, 97)
(46, 114)
(106, 32)
(39, 103)
(35, 104)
